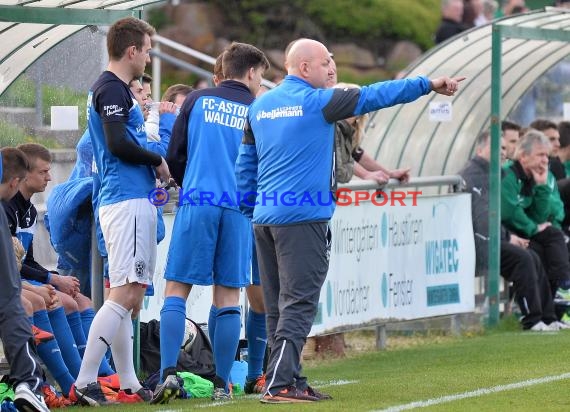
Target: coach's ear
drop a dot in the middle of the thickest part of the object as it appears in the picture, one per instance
(305, 68)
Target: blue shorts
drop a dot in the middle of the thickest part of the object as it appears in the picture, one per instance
(255, 280)
(210, 245)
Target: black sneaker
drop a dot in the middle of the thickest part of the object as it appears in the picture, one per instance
(166, 391)
(288, 395)
(91, 395)
(256, 385)
(27, 400)
(319, 395)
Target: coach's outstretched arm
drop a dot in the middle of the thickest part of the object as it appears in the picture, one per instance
(344, 103)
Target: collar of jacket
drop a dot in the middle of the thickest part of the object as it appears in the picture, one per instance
(527, 181)
(234, 84)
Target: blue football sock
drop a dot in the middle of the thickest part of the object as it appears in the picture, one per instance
(226, 340)
(172, 318)
(256, 333)
(87, 317)
(51, 355)
(212, 324)
(65, 340)
(76, 326)
(105, 368)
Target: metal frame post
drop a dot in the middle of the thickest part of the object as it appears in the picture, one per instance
(495, 180)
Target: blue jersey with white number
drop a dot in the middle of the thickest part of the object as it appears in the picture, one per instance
(205, 142)
(110, 100)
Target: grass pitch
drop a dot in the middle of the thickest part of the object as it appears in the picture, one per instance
(501, 370)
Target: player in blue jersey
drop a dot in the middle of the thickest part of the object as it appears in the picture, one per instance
(288, 150)
(127, 173)
(211, 239)
(255, 329)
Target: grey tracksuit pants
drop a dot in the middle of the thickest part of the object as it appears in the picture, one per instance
(293, 264)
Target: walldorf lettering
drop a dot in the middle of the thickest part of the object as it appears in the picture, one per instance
(224, 113)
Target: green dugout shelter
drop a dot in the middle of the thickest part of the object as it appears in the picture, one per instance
(501, 60)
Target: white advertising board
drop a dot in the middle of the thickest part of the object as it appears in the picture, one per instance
(399, 262)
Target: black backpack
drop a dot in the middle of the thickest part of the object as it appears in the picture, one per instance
(199, 360)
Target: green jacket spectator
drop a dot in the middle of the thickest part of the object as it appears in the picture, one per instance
(531, 207)
(524, 204)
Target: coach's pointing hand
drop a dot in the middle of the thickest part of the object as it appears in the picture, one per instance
(446, 85)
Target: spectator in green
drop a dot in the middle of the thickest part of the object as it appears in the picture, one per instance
(527, 208)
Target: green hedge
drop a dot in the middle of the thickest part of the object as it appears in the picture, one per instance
(375, 20)
(267, 23)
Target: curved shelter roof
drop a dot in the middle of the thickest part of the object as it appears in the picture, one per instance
(29, 28)
(404, 135)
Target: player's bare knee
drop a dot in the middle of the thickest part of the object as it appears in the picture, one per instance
(27, 305)
(179, 289)
(37, 301)
(255, 298)
(225, 296)
(83, 302)
(69, 305)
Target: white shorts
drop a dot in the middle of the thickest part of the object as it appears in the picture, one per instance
(129, 229)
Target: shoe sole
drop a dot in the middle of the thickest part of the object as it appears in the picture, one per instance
(24, 405)
(87, 401)
(130, 401)
(277, 399)
(165, 396)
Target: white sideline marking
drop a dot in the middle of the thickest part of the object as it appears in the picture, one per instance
(214, 403)
(338, 382)
(475, 393)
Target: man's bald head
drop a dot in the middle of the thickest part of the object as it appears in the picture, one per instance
(309, 60)
(304, 49)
